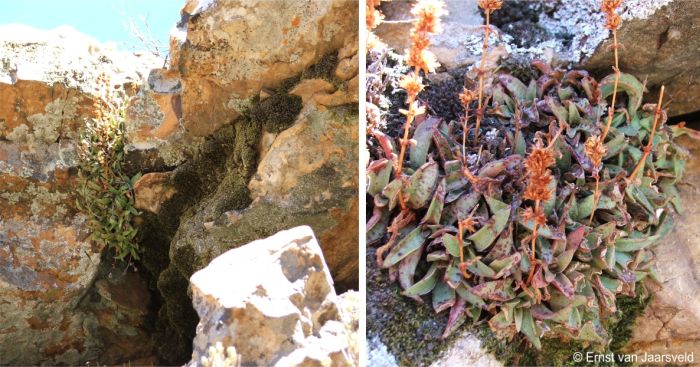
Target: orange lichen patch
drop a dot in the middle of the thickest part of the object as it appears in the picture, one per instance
(37, 324)
(335, 246)
(296, 22)
(170, 121)
(68, 343)
(10, 183)
(63, 177)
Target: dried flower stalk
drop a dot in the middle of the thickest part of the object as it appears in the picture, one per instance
(465, 98)
(612, 22)
(466, 224)
(488, 6)
(539, 177)
(647, 149)
(595, 148)
(427, 22)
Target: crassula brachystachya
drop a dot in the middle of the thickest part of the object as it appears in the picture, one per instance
(584, 259)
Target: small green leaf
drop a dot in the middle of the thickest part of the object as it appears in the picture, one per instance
(407, 245)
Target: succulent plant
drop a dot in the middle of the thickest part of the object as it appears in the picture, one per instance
(463, 239)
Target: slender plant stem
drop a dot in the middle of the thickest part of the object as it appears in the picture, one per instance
(464, 134)
(532, 247)
(479, 113)
(596, 197)
(647, 149)
(404, 142)
(611, 110)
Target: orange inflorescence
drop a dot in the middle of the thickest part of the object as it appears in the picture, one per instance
(490, 5)
(539, 177)
(427, 13)
(595, 151)
(535, 215)
(373, 16)
(466, 97)
(538, 174)
(612, 21)
(412, 84)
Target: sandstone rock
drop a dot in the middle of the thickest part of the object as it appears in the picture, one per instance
(281, 310)
(661, 45)
(671, 323)
(308, 88)
(47, 264)
(262, 43)
(153, 189)
(571, 34)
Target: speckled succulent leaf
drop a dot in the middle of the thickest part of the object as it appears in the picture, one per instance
(379, 179)
(432, 216)
(585, 258)
(425, 285)
(444, 297)
(423, 137)
(406, 246)
(422, 184)
(627, 83)
(460, 208)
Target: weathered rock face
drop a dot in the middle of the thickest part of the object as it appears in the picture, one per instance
(280, 153)
(51, 313)
(661, 46)
(228, 50)
(661, 43)
(273, 300)
(671, 323)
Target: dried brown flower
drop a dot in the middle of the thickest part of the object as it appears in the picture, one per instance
(466, 97)
(609, 6)
(428, 13)
(539, 160)
(468, 224)
(373, 16)
(490, 5)
(612, 21)
(595, 151)
(413, 84)
(422, 59)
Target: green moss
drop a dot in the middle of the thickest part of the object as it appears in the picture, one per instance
(277, 112)
(323, 69)
(557, 352)
(411, 332)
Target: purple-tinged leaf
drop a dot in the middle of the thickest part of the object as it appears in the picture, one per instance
(460, 208)
(497, 290)
(425, 285)
(443, 297)
(432, 216)
(406, 246)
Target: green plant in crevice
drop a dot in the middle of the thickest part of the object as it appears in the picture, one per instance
(106, 193)
(547, 253)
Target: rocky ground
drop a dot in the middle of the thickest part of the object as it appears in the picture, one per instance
(208, 138)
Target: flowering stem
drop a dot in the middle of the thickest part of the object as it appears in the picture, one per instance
(464, 134)
(532, 247)
(647, 149)
(596, 197)
(479, 112)
(404, 142)
(611, 110)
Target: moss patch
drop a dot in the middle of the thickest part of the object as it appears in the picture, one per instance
(277, 112)
(411, 332)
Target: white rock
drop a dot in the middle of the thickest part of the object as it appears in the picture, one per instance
(273, 300)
